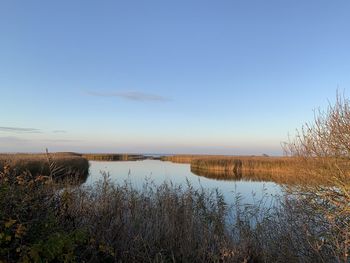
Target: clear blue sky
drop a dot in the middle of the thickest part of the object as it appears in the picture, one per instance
(226, 77)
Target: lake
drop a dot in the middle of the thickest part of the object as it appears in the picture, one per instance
(137, 172)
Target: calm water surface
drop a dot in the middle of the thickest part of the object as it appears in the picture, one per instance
(137, 172)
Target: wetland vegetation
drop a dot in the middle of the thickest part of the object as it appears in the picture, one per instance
(61, 164)
(46, 220)
(112, 157)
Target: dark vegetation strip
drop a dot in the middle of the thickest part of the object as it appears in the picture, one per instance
(68, 161)
(113, 157)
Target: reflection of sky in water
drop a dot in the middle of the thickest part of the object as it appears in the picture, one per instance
(159, 171)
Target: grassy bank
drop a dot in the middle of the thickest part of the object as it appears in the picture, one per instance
(46, 164)
(166, 223)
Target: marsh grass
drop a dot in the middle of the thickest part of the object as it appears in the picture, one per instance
(183, 158)
(282, 178)
(231, 176)
(39, 164)
(256, 168)
(112, 157)
(43, 220)
(282, 170)
(69, 162)
(230, 163)
(157, 223)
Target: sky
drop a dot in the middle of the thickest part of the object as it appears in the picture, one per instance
(209, 77)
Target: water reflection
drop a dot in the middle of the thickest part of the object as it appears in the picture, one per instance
(218, 175)
(289, 179)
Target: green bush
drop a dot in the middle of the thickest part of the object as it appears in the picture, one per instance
(30, 226)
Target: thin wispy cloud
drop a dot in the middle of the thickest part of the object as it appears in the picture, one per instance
(12, 139)
(131, 95)
(19, 130)
(59, 131)
(61, 140)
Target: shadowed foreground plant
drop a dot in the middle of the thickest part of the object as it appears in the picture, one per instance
(323, 147)
(45, 221)
(163, 223)
(29, 228)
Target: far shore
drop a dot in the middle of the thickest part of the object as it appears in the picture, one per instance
(278, 169)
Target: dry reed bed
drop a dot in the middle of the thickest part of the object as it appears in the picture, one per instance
(244, 164)
(232, 163)
(278, 170)
(166, 223)
(112, 157)
(282, 170)
(39, 164)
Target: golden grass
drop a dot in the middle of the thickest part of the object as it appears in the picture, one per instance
(282, 170)
(38, 164)
(226, 163)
